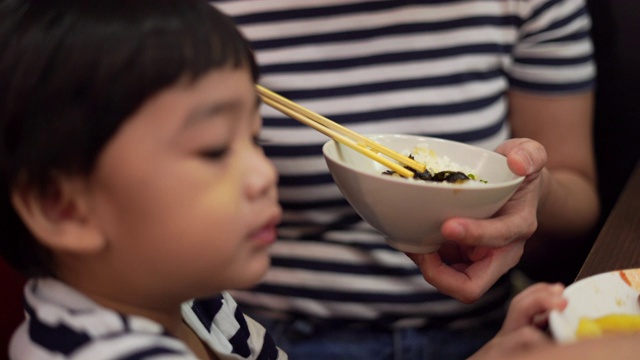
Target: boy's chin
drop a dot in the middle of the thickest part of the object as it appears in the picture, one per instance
(254, 273)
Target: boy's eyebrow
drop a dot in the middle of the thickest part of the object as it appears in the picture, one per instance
(210, 110)
(205, 112)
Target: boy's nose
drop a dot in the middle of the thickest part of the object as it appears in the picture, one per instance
(261, 178)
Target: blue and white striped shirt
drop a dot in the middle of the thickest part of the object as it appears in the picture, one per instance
(64, 324)
(433, 67)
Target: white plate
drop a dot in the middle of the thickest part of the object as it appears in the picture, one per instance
(595, 296)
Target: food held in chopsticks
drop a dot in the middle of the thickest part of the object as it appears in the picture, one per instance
(437, 168)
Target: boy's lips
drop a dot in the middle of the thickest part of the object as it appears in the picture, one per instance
(267, 234)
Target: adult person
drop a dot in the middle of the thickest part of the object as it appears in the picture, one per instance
(474, 71)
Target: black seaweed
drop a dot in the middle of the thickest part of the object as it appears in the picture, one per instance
(442, 176)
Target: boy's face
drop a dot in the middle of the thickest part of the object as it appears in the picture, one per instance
(184, 195)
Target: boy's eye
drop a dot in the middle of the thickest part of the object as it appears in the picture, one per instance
(219, 153)
(260, 141)
(215, 154)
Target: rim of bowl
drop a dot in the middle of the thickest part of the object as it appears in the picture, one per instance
(433, 184)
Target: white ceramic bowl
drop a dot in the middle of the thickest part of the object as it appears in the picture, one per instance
(410, 212)
(614, 292)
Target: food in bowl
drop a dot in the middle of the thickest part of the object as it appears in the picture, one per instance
(438, 168)
(608, 300)
(409, 213)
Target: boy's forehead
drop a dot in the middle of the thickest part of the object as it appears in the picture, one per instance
(216, 92)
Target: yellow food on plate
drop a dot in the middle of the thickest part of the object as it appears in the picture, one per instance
(608, 324)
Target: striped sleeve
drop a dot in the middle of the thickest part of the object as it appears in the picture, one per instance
(221, 323)
(63, 324)
(555, 53)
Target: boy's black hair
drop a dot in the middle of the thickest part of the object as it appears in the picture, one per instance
(72, 71)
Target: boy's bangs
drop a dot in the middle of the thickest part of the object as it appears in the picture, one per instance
(100, 61)
(192, 44)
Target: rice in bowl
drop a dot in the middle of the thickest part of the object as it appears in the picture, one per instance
(438, 168)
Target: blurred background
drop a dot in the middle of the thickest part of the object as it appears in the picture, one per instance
(616, 34)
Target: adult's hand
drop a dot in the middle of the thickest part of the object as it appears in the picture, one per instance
(478, 252)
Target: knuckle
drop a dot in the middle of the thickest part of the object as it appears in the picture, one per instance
(530, 333)
(471, 296)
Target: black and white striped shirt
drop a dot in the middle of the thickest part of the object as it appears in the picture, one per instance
(434, 67)
(64, 324)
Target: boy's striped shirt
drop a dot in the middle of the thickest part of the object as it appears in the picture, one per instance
(64, 324)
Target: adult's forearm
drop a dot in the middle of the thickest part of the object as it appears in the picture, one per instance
(566, 215)
(569, 207)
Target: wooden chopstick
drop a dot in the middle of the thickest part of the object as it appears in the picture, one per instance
(340, 133)
(339, 138)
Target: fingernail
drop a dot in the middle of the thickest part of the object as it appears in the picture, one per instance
(526, 160)
(557, 288)
(457, 232)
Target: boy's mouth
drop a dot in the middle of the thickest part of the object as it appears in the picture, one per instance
(267, 234)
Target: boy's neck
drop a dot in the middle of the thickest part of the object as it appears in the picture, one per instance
(124, 296)
(168, 316)
(129, 302)
(191, 339)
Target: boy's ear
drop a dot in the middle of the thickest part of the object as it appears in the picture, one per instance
(60, 219)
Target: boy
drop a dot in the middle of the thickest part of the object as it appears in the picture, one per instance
(132, 184)
(129, 151)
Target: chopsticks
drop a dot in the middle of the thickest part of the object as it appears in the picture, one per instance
(341, 134)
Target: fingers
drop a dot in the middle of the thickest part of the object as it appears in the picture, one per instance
(451, 279)
(533, 304)
(510, 345)
(524, 156)
(515, 222)
(526, 338)
(498, 242)
(467, 281)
